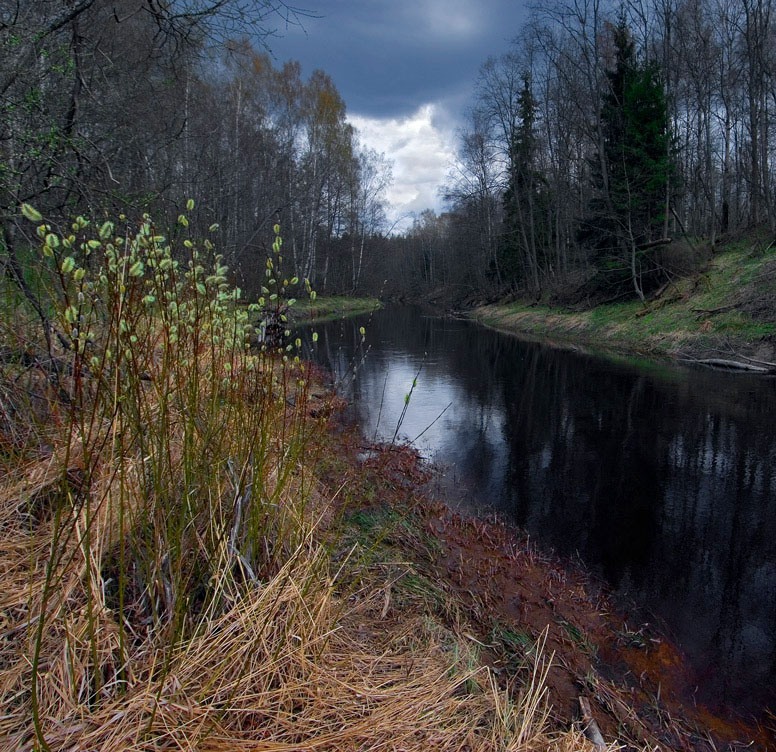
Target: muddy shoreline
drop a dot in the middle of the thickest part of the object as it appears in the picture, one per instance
(521, 605)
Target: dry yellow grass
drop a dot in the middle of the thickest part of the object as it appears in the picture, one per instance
(283, 662)
(164, 581)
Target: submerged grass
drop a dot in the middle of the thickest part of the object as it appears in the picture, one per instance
(166, 580)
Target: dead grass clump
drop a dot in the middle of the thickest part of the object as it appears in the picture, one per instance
(287, 666)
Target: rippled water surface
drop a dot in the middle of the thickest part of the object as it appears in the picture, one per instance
(662, 479)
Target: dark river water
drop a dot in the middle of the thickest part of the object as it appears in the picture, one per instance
(661, 479)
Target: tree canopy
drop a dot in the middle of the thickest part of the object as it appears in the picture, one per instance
(646, 122)
(139, 105)
(631, 171)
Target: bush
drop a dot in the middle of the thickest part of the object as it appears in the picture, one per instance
(170, 484)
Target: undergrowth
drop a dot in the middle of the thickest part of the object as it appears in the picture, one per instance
(332, 307)
(164, 583)
(730, 304)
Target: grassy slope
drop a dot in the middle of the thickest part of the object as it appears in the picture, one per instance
(727, 309)
(323, 308)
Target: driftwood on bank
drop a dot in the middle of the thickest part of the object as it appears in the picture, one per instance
(767, 363)
(590, 727)
(733, 365)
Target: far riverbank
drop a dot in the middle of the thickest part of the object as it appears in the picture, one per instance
(727, 313)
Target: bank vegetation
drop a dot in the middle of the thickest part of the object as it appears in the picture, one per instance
(720, 317)
(175, 571)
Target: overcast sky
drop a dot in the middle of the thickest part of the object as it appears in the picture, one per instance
(405, 69)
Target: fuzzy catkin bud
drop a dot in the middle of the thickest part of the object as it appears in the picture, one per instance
(31, 213)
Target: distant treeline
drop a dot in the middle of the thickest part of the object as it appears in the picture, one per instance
(606, 130)
(133, 106)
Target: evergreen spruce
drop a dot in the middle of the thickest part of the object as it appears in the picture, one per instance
(631, 178)
(523, 219)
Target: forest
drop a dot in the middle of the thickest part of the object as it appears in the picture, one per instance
(611, 148)
(135, 106)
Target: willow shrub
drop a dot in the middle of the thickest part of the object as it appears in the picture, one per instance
(177, 444)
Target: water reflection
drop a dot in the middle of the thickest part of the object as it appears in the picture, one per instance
(662, 480)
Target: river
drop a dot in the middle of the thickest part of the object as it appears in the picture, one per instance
(661, 479)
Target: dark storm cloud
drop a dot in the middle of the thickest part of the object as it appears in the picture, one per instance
(388, 57)
(405, 69)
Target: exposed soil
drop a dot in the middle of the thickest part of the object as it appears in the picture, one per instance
(514, 597)
(639, 685)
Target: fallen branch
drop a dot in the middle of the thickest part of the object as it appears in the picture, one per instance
(770, 365)
(712, 311)
(661, 289)
(590, 729)
(655, 243)
(628, 720)
(682, 228)
(658, 301)
(730, 365)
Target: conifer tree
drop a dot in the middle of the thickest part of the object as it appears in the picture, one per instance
(523, 236)
(631, 176)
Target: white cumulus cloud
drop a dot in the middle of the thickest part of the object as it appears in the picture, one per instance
(421, 147)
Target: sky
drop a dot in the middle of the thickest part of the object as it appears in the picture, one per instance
(406, 70)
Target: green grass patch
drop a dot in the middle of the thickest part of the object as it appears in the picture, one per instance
(414, 586)
(692, 313)
(374, 523)
(334, 307)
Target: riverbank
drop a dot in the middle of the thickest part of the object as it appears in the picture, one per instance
(245, 592)
(727, 312)
(197, 554)
(180, 553)
(370, 616)
(526, 616)
(326, 308)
